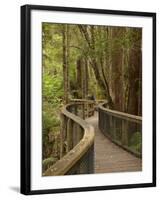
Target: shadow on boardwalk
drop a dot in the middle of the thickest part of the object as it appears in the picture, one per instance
(109, 157)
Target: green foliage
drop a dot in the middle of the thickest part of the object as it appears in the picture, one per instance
(48, 162)
(49, 121)
(136, 142)
(52, 87)
(51, 125)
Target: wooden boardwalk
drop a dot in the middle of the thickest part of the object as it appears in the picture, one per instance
(109, 157)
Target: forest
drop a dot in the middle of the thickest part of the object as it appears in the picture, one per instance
(88, 62)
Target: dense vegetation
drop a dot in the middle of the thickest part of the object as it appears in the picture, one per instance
(83, 61)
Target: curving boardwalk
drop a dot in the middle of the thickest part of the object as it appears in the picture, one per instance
(109, 157)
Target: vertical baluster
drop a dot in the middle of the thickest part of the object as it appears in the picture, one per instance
(83, 110)
(75, 109)
(69, 135)
(91, 109)
(71, 109)
(87, 110)
(56, 146)
(81, 168)
(99, 118)
(106, 121)
(62, 135)
(94, 106)
(79, 133)
(125, 132)
(110, 127)
(91, 160)
(114, 127)
(74, 134)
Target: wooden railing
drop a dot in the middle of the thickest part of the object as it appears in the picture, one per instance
(122, 128)
(77, 140)
(77, 136)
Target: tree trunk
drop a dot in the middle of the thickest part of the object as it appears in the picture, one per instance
(115, 57)
(65, 34)
(135, 75)
(79, 78)
(125, 73)
(86, 77)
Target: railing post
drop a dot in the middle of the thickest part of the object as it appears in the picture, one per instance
(83, 110)
(87, 115)
(125, 132)
(92, 109)
(99, 119)
(62, 135)
(69, 135)
(79, 133)
(75, 109)
(114, 127)
(56, 150)
(91, 160)
(110, 126)
(74, 134)
(105, 123)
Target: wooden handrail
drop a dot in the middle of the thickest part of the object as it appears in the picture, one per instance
(82, 100)
(122, 115)
(89, 100)
(62, 166)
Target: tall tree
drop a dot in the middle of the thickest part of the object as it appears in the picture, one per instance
(65, 33)
(89, 35)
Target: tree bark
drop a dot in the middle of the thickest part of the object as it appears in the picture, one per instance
(65, 41)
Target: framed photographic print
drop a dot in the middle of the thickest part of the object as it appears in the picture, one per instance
(88, 99)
